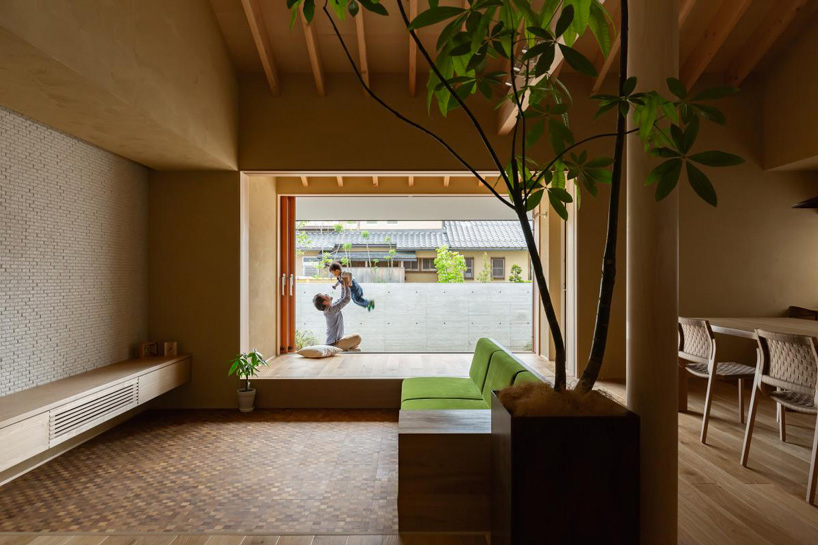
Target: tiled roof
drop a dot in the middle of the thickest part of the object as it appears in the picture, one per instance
(457, 235)
(381, 256)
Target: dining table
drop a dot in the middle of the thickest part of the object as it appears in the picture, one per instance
(745, 328)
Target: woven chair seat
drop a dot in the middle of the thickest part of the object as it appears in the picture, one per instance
(725, 370)
(793, 400)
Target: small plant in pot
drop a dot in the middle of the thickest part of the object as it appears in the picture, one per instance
(244, 366)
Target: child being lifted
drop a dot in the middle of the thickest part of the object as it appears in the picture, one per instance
(355, 289)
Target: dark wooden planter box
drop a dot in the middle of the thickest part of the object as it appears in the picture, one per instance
(564, 480)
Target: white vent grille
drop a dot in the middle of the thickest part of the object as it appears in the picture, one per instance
(85, 413)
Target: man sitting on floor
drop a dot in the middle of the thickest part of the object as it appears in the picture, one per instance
(335, 318)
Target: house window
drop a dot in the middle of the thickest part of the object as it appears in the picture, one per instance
(468, 274)
(427, 264)
(358, 264)
(498, 268)
(410, 265)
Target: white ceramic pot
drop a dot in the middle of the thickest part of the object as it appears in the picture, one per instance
(246, 399)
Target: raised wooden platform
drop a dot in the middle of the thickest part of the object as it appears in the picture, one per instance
(358, 380)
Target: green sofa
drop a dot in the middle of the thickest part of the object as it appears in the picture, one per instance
(492, 368)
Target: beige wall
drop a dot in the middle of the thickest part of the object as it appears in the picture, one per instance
(149, 80)
(194, 277)
(790, 109)
(263, 271)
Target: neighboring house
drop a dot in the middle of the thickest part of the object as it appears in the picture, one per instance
(412, 250)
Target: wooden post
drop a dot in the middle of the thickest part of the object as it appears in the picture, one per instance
(652, 283)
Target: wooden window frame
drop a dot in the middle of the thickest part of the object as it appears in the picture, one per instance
(502, 276)
(468, 274)
(423, 268)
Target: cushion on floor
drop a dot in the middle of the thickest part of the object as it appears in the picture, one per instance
(502, 370)
(480, 362)
(319, 351)
(439, 388)
(442, 404)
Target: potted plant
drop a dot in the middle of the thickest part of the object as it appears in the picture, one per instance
(560, 431)
(244, 366)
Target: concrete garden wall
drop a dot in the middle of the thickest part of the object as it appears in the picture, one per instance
(428, 317)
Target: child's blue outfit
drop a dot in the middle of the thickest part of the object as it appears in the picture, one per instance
(357, 293)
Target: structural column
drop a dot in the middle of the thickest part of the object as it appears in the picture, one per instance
(652, 282)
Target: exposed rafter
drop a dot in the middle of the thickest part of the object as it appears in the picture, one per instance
(684, 10)
(304, 181)
(375, 181)
(314, 54)
(774, 24)
(714, 36)
(252, 11)
(413, 51)
(411, 181)
(363, 60)
(340, 181)
(446, 181)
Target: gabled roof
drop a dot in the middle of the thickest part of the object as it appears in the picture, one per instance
(457, 235)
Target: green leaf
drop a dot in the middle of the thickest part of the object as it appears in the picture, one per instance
(545, 61)
(629, 86)
(599, 162)
(534, 133)
(558, 206)
(433, 16)
(561, 194)
(566, 17)
(604, 107)
(309, 10)
(540, 32)
(525, 7)
(678, 138)
(448, 32)
(676, 87)
(668, 180)
(600, 29)
(658, 172)
(709, 112)
(537, 50)
(715, 93)
(588, 183)
(353, 8)
(534, 199)
(717, 159)
(600, 175)
(578, 61)
(701, 185)
(559, 134)
(374, 6)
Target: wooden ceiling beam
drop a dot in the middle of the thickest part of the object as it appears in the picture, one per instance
(780, 16)
(723, 22)
(314, 54)
(255, 20)
(684, 10)
(340, 181)
(363, 60)
(305, 181)
(446, 181)
(413, 52)
(375, 181)
(411, 181)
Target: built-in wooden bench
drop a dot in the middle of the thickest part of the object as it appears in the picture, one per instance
(444, 470)
(38, 419)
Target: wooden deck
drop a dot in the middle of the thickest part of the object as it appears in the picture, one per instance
(382, 365)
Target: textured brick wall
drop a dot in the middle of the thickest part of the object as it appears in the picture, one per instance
(73, 254)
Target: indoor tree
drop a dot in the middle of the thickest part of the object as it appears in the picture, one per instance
(529, 36)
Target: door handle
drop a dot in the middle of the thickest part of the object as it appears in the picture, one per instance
(283, 284)
(292, 283)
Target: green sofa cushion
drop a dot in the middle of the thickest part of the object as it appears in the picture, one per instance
(442, 404)
(502, 370)
(480, 361)
(439, 388)
(526, 376)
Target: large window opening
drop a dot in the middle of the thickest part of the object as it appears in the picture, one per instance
(441, 275)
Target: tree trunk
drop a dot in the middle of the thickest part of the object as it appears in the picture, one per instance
(606, 287)
(545, 297)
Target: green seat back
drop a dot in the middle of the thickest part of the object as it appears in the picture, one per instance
(502, 370)
(480, 362)
(526, 376)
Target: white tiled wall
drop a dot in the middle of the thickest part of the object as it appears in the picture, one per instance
(73, 254)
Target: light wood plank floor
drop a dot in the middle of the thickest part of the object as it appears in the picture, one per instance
(200, 539)
(722, 503)
(382, 365)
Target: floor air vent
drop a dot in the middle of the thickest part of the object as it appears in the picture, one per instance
(85, 413)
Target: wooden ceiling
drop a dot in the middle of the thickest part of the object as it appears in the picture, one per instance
(732, 38)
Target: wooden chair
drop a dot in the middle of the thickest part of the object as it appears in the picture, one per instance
(787, 372)
(697, 355)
